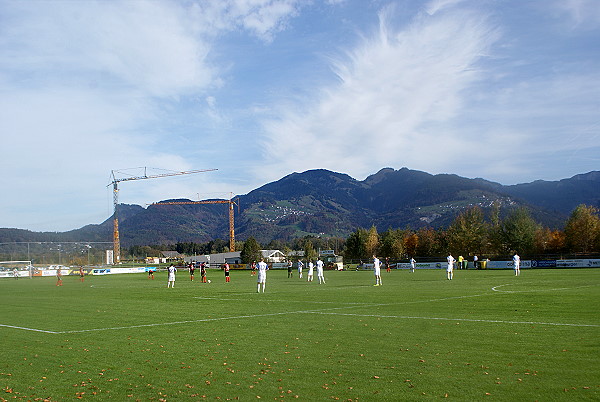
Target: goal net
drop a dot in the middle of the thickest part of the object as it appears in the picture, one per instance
(16, 269)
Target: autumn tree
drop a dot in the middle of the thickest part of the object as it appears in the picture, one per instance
(549, 241)
(372, 241)
(557, 241)
(429, 244)
(411, 243)
(582, 231)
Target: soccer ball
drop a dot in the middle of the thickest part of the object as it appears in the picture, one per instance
(209, 281)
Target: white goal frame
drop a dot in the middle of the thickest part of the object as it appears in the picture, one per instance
(7, 269)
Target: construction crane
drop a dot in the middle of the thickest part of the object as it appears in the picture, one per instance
(231, 203)
(115, 184)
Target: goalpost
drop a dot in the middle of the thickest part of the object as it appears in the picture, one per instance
(16, 269)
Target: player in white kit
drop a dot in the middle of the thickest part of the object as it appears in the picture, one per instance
(320, 271)
(450, 269)
(377, 271)
(171, 281)
(311, 268)
(517, 264)
(262, 268)
(300, 266)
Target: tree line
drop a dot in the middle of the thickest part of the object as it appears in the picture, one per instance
(471, 233)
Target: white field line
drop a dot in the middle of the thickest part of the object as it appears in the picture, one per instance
(180, 322)
(461, 319)
(496, 288)
(282, 301)
(324, 312)
(29, 329)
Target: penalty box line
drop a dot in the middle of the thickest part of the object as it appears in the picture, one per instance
(223, 318)
(179, 322)
(326, 311)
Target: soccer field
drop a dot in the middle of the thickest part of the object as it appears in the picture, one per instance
(485, 334)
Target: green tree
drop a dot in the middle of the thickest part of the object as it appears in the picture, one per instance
(518, 231)
(355, 245)
(309, 251)
(251, 251)
(392, 244)
(468, 233)
(582, 231)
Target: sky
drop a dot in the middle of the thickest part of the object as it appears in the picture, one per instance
(506, 90)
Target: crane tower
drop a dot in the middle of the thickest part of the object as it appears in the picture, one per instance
(231, 203)
(115, 184)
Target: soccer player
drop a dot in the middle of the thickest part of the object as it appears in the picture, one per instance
(300, 266)
(203, 272)
(151, 273)
(171, 280)
(377, 270)
(16, 273)
(262, 275)
(58, 277)
(311, 268)
(320, 272)
(450, 269)
(191, 269)
(387, 264)
(517, 264)
(290, 265)
(226, 270)
(413, 263)
(81, 274)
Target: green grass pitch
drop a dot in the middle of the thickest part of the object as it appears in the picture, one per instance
(484, 335)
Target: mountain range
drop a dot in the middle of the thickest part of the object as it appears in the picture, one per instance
(325, 203)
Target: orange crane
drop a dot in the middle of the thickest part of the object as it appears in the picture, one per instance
(231, 203)
(115, 183)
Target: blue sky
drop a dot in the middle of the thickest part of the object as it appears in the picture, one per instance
(258, 89)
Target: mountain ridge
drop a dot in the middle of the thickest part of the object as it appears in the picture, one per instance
(323, 202)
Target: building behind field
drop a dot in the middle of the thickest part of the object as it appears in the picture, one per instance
(234, 257)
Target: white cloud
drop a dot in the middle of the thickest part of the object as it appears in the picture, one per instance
(582, 13)
(143, 46)
(392, 87)
(90, 86)
(262, 18)
(435, 6)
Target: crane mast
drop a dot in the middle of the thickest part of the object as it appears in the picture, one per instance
(115, 184)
